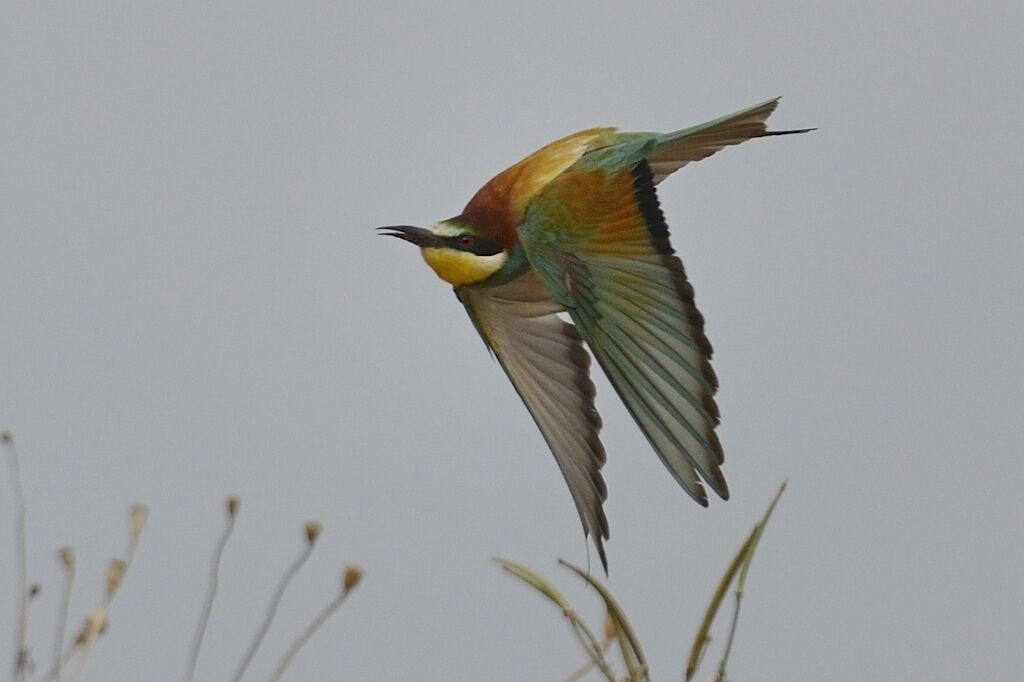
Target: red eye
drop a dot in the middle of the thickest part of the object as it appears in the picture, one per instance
(465, 240)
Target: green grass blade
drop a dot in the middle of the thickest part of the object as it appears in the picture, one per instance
(739, 566)
(583, 633)
(758, 532)
(632, 654)
(701, 640)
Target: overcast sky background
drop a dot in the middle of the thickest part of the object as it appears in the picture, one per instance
(193, 303)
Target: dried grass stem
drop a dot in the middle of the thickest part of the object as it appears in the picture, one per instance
(317, 623)
(211, 594)
(20, 653)
(275, 602)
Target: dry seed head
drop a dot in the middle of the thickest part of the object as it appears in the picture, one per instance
(115, 573)
(95, 625)
(67, 558)
(313, 529)
(232, 504)
(353, 574)
(137, 516)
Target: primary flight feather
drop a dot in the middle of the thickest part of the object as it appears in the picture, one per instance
(576, 227)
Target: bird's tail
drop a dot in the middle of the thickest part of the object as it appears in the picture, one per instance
(672, 151)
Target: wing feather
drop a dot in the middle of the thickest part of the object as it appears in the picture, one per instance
(675, 150)
(606, 256)
(546, 362)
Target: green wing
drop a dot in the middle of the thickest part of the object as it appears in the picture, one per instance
(598, 240)
(546, 362)
(596, 237)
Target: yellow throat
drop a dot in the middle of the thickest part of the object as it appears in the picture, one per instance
(461, 268)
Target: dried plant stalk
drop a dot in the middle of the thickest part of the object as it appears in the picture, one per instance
(349, 580)
(67, 562)
(211, 594)
(20, 653)
(312, 530)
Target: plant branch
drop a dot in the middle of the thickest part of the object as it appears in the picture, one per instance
(351, 578)
(67, 560)
(275, 602)
(20, 653)
(211, 594)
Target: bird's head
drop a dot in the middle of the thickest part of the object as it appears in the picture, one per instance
(460, 254)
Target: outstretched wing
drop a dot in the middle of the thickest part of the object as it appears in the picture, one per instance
(596, 237)
(598, 240)
(546, 362)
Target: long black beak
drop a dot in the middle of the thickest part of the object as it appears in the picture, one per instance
(417, 235)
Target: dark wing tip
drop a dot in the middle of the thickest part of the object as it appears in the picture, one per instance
(773, 104)
(716, 481)
(599, 542)
(719, 485)
(600, 535)
(770, 133)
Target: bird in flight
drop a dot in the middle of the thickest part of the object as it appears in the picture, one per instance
(576, 228)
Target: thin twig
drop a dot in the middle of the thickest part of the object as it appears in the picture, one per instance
(96, 623)
(740, 581)
(275, 602)
(580, 629)
(629, 645)
(28, 665)
(211, 594)
(67, 560)
(20, 654)
(351, 578)
(83, 656)
(65, 658)
(720, 676)
(589, 664)
(73, 647)
(703, 636)
(304, 636)
(80, 664)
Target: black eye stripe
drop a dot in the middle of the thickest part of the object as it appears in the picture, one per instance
(481, 246)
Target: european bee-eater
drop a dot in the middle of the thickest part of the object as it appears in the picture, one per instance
(576, 228)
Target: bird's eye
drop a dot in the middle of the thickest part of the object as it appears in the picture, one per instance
(471, 243)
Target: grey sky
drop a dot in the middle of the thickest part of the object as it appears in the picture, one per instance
(192, 303)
